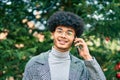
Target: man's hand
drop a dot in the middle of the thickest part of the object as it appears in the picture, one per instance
(82, 48)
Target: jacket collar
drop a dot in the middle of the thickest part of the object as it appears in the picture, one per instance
(43, 59)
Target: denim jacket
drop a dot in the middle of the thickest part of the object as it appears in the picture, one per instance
(38, 69)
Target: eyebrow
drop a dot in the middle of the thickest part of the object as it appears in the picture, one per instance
(70, 30)
(61, 29)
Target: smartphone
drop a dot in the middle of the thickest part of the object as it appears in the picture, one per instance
(78, 48)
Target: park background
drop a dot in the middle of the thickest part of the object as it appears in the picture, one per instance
(23, 32)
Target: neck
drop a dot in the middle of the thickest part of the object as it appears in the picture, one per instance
(61, 49)
(59, 53)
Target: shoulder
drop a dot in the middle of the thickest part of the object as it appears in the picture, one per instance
(78, 63)
(77, 60)
(38, 59)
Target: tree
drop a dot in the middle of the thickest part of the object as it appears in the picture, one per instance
(23, 32)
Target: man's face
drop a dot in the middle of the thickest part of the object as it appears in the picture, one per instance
(63, 38)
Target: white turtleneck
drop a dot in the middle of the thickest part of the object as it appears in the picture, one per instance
(59, 63)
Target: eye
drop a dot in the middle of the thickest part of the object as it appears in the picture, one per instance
(59, 31)
(69, 33)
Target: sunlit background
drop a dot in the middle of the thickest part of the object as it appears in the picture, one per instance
(23, 32)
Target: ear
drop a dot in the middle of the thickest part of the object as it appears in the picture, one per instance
(74, 39)
(52, 35)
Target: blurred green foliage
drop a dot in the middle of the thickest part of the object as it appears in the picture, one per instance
(21, 38)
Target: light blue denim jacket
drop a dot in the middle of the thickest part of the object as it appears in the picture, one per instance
(38, 69)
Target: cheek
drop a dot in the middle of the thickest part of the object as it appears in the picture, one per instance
(54, 37)
(71, 41)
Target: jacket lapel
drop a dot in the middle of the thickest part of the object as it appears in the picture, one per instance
(73, 68)
(43, 61)
(45, 72)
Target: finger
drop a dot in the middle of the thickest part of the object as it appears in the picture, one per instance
(78, 40)
(78, 44)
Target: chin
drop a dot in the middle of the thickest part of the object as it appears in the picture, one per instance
(63, 47)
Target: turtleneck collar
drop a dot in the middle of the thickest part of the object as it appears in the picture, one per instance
(59, 54)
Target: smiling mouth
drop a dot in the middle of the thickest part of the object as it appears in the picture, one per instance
(62, 42)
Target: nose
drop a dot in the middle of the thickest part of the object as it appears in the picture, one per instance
(63, 34)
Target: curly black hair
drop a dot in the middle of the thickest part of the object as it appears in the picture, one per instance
(67, 19)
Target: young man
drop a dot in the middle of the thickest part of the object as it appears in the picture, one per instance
(58, 63)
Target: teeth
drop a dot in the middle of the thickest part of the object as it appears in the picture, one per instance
(62, 42)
